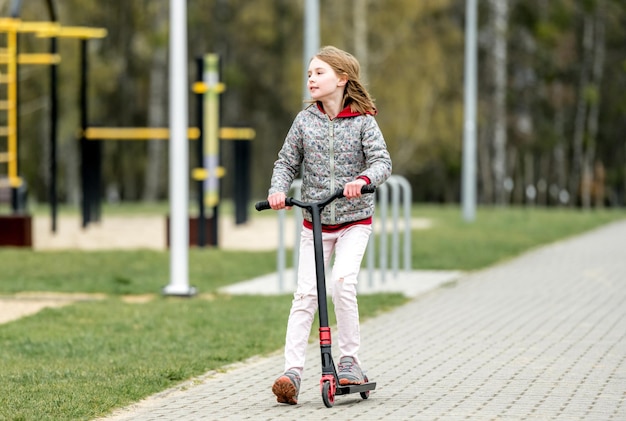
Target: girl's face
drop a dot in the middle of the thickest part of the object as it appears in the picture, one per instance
(323, 82)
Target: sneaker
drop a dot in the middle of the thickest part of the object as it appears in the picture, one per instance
(287, 387)
(350, 372)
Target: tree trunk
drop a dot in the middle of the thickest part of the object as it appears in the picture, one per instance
(69, 160)
(581, 112)
(484, 165)
(542, 182)
(560, 160)
(360, 34)
(513, 184)
(499, 23)
(518, 195)
(157, 115)
(530, 191)
(587, 188)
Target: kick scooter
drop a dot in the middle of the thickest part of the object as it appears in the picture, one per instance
(329, 383)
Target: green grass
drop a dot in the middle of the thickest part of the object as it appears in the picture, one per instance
(124, 272)
(83, 360)
(497, 234)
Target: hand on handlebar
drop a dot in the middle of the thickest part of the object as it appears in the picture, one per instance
(277, 201)
(353, 188)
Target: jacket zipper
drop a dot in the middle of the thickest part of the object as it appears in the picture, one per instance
(331, 130)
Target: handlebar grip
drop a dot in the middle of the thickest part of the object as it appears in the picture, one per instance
(263, 205)
(368, 188)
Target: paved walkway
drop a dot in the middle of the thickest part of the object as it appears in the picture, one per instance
(412, 283)
(539, 337)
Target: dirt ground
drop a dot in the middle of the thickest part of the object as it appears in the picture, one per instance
(12, 307)
(150, 232)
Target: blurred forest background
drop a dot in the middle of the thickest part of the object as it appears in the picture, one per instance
(551, 92)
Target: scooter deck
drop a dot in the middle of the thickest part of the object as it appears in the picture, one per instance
(355, 388)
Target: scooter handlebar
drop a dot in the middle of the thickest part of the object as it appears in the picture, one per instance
(264, 204)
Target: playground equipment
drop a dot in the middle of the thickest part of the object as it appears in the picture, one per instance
(15, 230)
(208, 133)
(208, 171)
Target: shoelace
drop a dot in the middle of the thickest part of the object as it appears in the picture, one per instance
(345, 367)
(294, 377)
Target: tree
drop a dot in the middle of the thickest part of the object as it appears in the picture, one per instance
(499, 27)
(552, 112)
(157, 107)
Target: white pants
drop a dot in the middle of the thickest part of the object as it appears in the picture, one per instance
(349, 246)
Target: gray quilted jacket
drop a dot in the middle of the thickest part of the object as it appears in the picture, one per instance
(331, 153)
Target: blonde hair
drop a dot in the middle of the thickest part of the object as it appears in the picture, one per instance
(345, 64)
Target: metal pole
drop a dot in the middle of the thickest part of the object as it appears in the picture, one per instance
(84, 116)
(296, 186)
(54, 116)
(383, 203)
(200, 152)
(468, 192)
(407, 198)
(179, 154)
(395, 215)
(211, 129)
(280, 256)
(13, 138)
(311, 37)
(371, 254)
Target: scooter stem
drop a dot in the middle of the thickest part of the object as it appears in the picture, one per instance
(319, 264)
(329, 372)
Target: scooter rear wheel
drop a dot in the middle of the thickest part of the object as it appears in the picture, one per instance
(327, 395)
(365, 394)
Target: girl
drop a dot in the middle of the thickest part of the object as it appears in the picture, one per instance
(335, 142)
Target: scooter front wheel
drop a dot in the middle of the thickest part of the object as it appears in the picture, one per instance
(327, 395)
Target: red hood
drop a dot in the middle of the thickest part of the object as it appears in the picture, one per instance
(346, 112)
